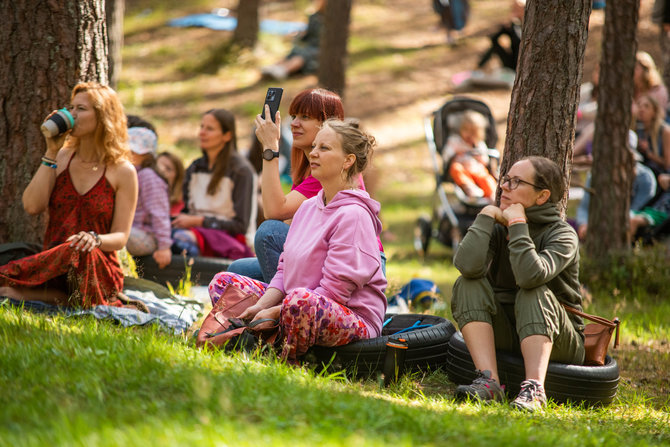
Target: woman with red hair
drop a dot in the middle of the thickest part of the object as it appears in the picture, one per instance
(308, 110)
(89, 188)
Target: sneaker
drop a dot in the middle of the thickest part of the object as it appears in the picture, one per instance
(531, 397)
(483, 389)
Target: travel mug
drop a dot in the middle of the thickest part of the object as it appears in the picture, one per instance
(58, 123)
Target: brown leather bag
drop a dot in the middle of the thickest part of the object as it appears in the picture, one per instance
(222, 328)
(597, 336)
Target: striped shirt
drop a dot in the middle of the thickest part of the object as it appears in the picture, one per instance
(153, 207)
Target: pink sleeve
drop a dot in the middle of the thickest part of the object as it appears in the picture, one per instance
(308, 188)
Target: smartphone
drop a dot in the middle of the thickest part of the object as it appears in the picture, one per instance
(272, 98)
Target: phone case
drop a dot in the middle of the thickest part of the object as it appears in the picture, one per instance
(272, 98)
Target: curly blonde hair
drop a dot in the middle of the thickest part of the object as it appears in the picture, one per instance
(111, 133)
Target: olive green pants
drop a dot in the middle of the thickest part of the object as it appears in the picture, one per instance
(534, 312)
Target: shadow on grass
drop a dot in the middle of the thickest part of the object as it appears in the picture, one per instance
(87, 382)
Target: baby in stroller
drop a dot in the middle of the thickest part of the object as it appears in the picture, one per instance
(466, 158)
(461, 132)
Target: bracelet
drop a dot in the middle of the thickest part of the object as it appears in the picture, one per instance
(98, 241)
(49, 164)
(50, 160)
(516, 220)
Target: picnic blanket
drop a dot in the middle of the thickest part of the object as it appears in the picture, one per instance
(226, 23)
(172, 312)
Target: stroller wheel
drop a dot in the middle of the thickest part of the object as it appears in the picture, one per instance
(448, 234)
(422, 233)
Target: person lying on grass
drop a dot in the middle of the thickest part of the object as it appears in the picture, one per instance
(519, 264)
(328, 289)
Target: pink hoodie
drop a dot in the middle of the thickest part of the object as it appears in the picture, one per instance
(333, 251)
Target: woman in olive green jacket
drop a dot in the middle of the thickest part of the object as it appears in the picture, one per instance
(519, 264)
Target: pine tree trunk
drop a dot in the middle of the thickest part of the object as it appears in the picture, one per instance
(333, 54)
(544, 100)
(613, 163)
(246, 33)
(114, 17)
(46, 51)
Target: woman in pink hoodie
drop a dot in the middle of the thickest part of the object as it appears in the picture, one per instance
(328, 289)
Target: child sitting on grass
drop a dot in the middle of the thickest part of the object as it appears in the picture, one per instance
(466, 157)
(150, 232)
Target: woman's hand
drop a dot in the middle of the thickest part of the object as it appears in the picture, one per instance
(84, 241)
(272, 313)
(187, 221)
(513, 212)
(55, 143)
(268, 132)
(162, 257)
(251, 312)
(643, 147)
(271, 298)
(494, 212)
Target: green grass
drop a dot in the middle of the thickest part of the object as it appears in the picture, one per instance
(86, 382)
(80, 381)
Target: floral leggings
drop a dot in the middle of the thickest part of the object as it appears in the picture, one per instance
(306, 318)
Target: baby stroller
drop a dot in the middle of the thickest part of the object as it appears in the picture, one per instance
(453, 210)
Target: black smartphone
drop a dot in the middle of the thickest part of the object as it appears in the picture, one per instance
(272, 98)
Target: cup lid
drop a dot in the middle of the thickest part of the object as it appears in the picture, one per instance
(67, 113)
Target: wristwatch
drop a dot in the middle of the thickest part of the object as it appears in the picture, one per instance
(269, 154)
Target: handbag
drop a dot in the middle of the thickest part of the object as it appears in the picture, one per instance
(223, 328)
(597, 336)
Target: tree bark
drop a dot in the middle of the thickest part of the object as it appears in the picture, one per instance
(613, 163)
(114, 15)
(46, 51)
(246, 32)
(333, 53)
(543, 106)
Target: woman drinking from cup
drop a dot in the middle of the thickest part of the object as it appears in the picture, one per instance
(89, 188)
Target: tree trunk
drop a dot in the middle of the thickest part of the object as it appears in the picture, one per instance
(544, 99)
(333, 53)
(114, 16)
(46, 51)
(246, 33)
(613, 163)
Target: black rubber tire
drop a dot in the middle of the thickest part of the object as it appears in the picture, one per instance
(427, 347)
(202, 270)
(591, 385)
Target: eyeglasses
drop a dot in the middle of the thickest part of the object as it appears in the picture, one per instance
(514, 182)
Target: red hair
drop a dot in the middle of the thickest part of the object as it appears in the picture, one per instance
(317, 103)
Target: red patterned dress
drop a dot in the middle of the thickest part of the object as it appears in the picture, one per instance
(89, 278)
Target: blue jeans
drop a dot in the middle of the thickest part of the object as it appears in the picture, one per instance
(269, 244)
(183, 240)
